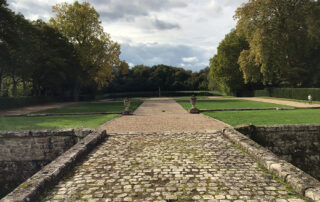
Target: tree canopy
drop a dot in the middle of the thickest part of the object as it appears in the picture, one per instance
(97, 53)
(275, 43)
(145, 78)
(68, 56)
(280, 35)
(224, 68)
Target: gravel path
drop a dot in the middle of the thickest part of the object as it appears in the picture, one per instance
(162, 114)
(164, 167)
(282, 102)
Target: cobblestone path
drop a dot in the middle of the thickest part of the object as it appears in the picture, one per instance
(168, 166)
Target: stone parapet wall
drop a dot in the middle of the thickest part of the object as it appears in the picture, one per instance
(31, 189)
(297, 144)
(296, 178)
(23, 153)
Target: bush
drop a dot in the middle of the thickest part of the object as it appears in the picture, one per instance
(291, 93)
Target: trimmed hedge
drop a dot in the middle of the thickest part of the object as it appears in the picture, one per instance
(291, 93)
(163, 94)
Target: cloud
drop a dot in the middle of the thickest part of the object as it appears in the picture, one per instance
(190, 59)
(153, 54)
(162, 25)
(129, 10)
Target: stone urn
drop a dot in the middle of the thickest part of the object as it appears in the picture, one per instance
(126, 103)
(193, 102)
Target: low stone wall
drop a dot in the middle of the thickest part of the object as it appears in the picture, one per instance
(23, 153)
(297, 144)
(296, 178)
(31, 189)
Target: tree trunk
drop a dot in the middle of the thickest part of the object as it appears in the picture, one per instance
(14, 86)
(24, 88)
(0, 84)
(76, 93)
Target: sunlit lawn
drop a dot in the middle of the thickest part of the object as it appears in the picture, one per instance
(269, 117)
(228, 104)
(93, 107)
(53, 122)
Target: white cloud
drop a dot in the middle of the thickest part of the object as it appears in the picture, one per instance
(190, 59)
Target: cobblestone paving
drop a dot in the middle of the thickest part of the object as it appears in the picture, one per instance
(170, 167)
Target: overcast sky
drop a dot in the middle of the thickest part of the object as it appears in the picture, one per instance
(182, 33)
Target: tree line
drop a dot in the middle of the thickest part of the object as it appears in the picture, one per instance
(168, 78)
(275, 44)
(68, 56)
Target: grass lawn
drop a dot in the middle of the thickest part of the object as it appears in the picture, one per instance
(228, 104)
(269, 117)
(93, 107)
(53, 122)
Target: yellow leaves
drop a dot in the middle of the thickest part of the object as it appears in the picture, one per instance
(98, 54)
(104, 76)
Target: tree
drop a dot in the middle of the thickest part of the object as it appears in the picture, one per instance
(98, 55)
(224, 68)
(54, 70)
(280, 46)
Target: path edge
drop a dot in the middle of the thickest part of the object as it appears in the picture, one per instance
(32, 188)
(300, 181)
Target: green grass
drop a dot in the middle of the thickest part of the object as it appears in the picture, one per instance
(269, 117)
(228, 104)
(93, 107)
(53, 122)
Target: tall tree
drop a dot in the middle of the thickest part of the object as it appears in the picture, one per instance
(224, 68)
(79, 23)
(54, 70)
(279, 42)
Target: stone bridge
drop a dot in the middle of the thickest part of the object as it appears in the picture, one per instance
(162, 153)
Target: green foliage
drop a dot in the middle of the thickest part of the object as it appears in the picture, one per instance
(291, 93)
(283, 47)
(268, 117)
(224, 69)
(53, 122)
(228, 104)
(35, 59)
(97, 54)
(167, 78)
(70, 56)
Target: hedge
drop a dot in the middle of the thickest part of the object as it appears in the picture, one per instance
(291, 93)
(163, 94)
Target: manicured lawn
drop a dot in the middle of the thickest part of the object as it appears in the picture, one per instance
(269, 117)
(93, 107)
(53, 122)
(228, 104)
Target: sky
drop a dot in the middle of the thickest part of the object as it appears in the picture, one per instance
(181, 33)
